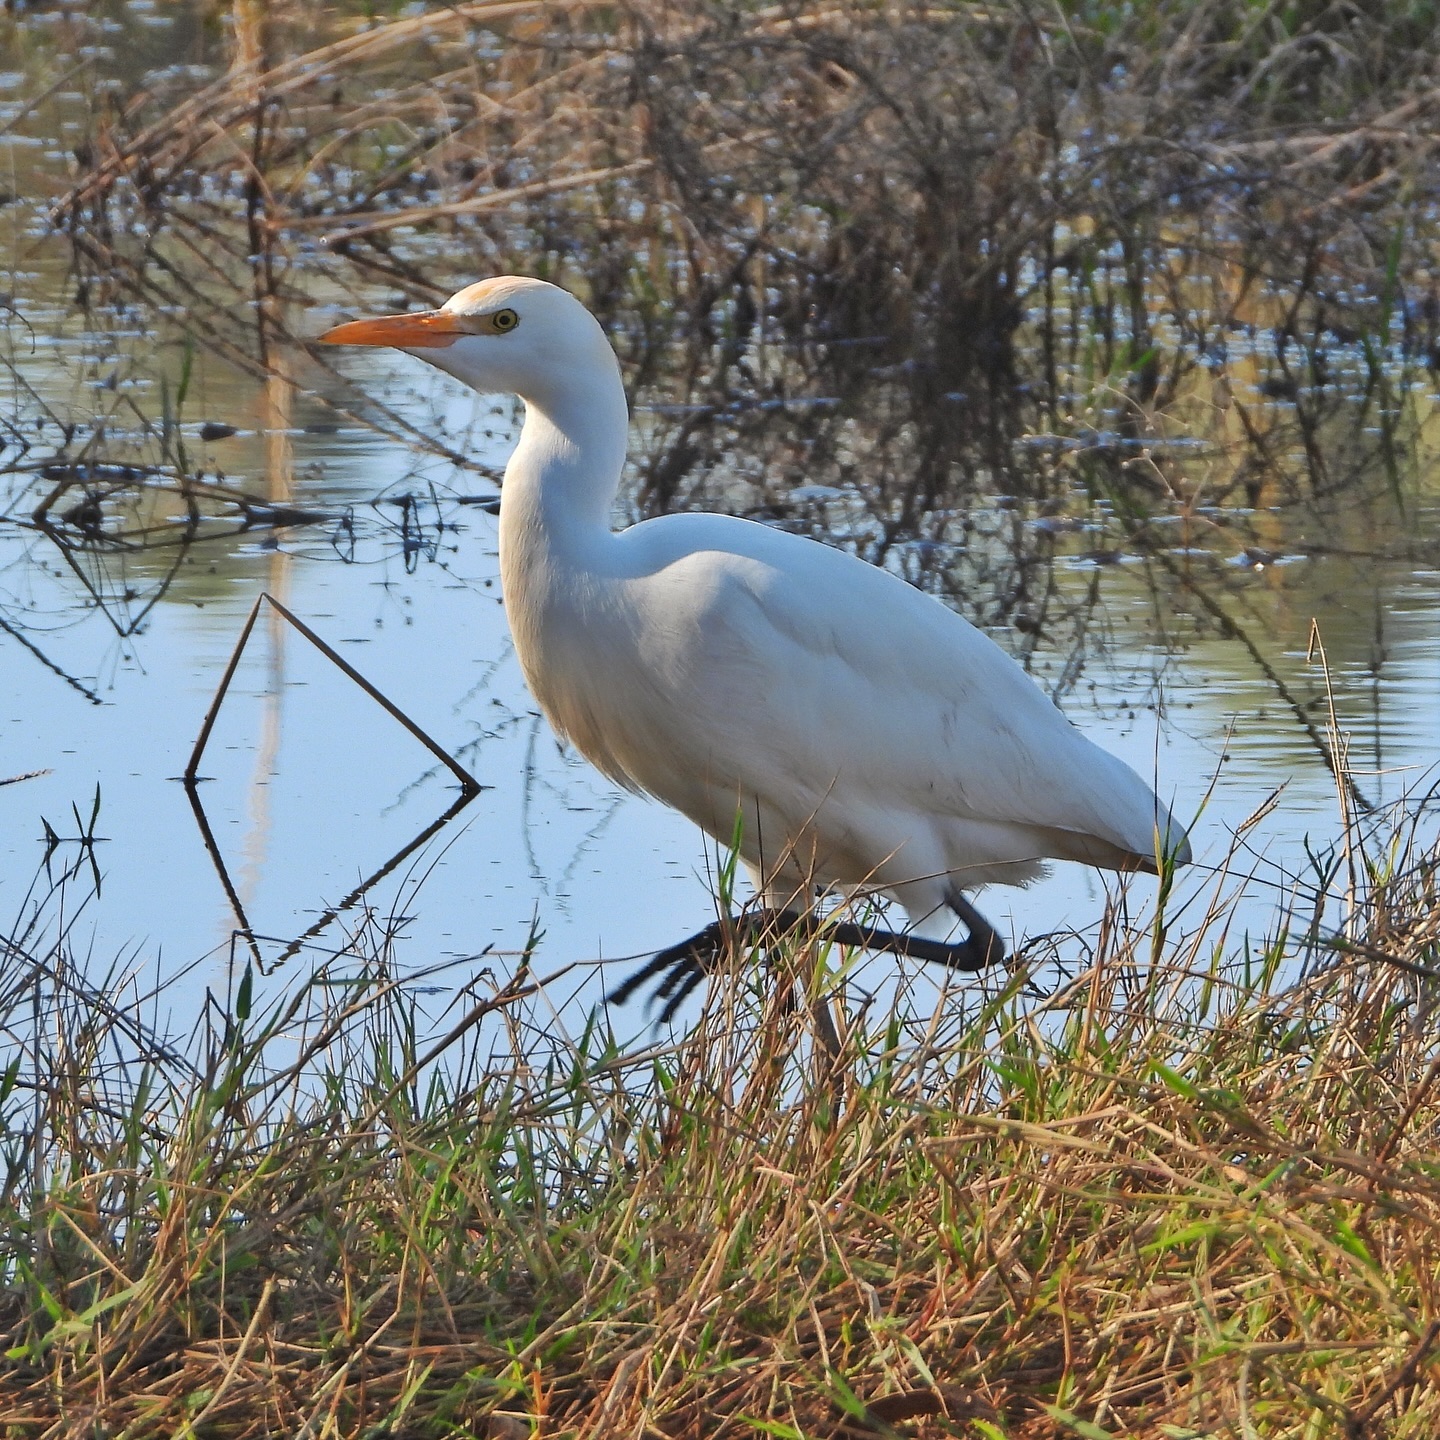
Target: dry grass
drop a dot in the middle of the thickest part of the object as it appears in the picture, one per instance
(1154, 1184)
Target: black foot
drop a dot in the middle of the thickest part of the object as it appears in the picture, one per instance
(682, 967)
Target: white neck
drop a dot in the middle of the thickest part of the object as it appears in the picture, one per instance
(555, 531)
(561, 481)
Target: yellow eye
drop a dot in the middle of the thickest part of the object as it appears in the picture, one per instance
(503, 320)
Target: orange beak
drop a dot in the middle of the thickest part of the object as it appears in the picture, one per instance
(428, 330)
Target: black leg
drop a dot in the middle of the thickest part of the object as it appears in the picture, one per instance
(981, 948)
(984, 946)
(682, 967)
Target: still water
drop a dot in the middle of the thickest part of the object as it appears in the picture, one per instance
(312, 788)
(114, 636)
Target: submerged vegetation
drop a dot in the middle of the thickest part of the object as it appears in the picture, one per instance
(960, 225)
(967, 288)
(964, 287)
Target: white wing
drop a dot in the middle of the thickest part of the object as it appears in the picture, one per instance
(736, 661)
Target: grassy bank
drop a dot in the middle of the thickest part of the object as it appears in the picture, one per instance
(1161, 1180)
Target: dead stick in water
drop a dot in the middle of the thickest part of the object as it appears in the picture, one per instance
(468, 783)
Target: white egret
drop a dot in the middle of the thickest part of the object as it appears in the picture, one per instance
(864, 734)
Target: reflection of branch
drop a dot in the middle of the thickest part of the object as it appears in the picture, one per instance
(435, 826)
(111, 479)
(1232, 630)
(133, 620)
(48, 663)
(192, 793)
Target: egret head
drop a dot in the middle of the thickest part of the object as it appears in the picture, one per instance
(504, 336)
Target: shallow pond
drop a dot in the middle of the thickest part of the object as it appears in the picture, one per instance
(119, 619)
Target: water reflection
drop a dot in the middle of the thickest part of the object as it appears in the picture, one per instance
(1152, 502)
(247, 933)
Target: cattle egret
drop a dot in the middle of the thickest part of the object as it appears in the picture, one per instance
(851, 730)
